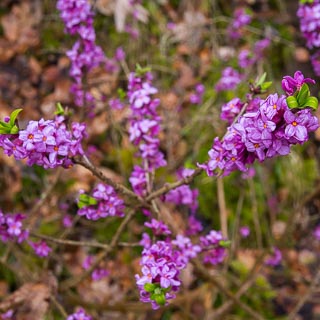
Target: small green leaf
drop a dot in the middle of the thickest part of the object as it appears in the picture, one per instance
(59, 109)
(14, 130)
(4, 131)
(160, 299)
(311, 102)
(141, 71)
(149, 287)
(266, 85)
(121, 94)
(303, 94)
(225, 243)
(261, 80)
(4, 124)
(13, 116)
(85, 200)
(292, 102)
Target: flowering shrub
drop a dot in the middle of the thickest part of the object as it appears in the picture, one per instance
(114, 213)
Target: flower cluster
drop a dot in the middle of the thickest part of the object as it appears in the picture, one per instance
(309, 14)
(77, 16)
(183, 195)
(46, 143)
(229, 80)
(275, 259)
(213, 246)
(104, 202)
(161, 265)
(158, 227)
(79, 315)
(98, 273)
(268, 130)
(241, 18)
(144, 129)
(247, 58)
(231, 109)
(40, 248)
(11, 227)
(196, 97)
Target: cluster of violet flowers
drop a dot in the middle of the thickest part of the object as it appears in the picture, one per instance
(144, 128)
(197, 96)
(11, 229)
(309, 14)
(230, 77)
(241, 18)
(268, 128)
(46, 143)
(104, 202)
(80, 314)
(162, 261)
(85, 54)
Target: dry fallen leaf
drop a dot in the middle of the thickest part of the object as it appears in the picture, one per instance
(31, 301)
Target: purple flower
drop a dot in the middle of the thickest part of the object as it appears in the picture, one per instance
(120, 55)
(290, 85)
(295, 127)
(79, 315)
(275, 259)
(158, 227)
(229, 80)
(99, 274)
(108, 204)
(309, 15)
(316, 233)
(244, 231)
(231, 109)
(214, 252)
(40, 248)
(196, 98)
(315, 61)
(144, 129)
(240, 20)
(14, 226)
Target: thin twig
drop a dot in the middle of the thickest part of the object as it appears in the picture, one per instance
(86, 163)
(170, 186)
(208, 277)
(305, 297)
(69, 283)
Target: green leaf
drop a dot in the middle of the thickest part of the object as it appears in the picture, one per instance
(261, 80)
(121, 94)
(85, 200)
(5, 124)
(160, 299)
(311, 102)
(4, 131)
(149, 287)
(303, 94)
(14, 130)
(225, 243)
(266, 85)
(59, 109)
(13, 116)
(292, 102)
(141, 71)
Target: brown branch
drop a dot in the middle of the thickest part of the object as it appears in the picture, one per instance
(82, 243)
(208, 277)
(86, 163)
(72, 282)
(305, 297)
(170, 186)
(245, 286)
